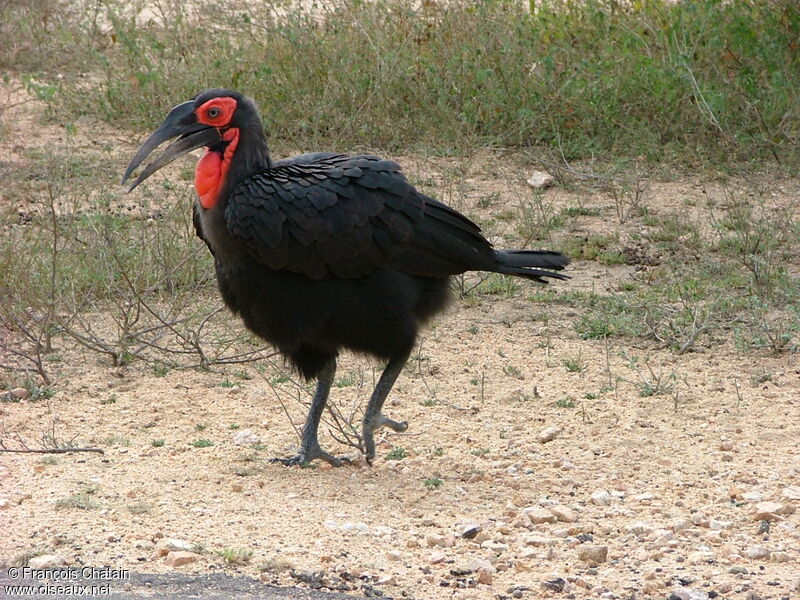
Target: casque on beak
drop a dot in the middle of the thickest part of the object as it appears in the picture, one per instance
(181, 121)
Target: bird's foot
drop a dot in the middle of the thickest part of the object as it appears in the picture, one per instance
(372, 423)
(310, 453)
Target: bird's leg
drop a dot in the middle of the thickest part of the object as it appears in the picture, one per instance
(373, 417)
(309, 445)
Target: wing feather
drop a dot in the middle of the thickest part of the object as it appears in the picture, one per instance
(345, 216)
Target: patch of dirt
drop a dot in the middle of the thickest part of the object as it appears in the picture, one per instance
(683, 471)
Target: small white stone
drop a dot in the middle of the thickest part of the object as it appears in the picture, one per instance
(780, 557)
(437, 557)
(689, 594)
(477, 564)
(351, 527)
(646, 497)
(167, 545)
(791, 493)
(639, 528)
(540, 179)
(539, 540)
(601, 497)
(498, 547)
(382, 531)
(700, 557)
(756, 552)
(548, 434)
(772, 511)
(245, 437)
(387, 580)
(443, 541)
(538, 515)
(564, 514)
(46, 561)
(716, 525)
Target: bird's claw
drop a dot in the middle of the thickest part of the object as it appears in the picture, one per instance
(370, 425)
(304, 457)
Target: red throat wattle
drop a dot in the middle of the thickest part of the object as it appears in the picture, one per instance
(211, 170)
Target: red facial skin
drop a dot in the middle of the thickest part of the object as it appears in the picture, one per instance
(209, 175)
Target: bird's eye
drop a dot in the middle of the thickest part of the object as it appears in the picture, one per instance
(213, 112)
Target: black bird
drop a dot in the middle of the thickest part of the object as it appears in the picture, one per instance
(324, 251)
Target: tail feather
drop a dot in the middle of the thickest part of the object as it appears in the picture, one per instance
(531, 263)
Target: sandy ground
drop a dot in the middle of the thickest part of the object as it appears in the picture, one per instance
(683, 476)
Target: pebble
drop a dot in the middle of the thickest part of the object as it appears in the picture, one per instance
(143, 545)
(700, 557)
(716, 525)
(771, 511)
(387, 580)
(176, 558)
(538, 540)
(393, 555)
(680, 524)
(780, 557)
(593, 554)
(443, 541)
(471, 530)
(755, 552)
(752, 497)
(498, 547)
(540, 180)
(46, 561)
(684, 593)
(352, 527)
(538, 515)
(437, 557)
(564, 514)
(524, 566)
(481, 537)
(639, 528)
(3, 503)
(548, 434)
(167, 545)
(791, 493)
(245, 437)
(601, 497)
(479, 564)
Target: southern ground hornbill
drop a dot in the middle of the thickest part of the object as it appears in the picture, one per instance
(324, 251)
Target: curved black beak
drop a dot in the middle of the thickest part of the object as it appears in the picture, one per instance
(179, 122)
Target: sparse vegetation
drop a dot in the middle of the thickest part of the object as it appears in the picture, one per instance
(235, 556)
(82, 500)
(201, 443)
(397, 453)
(433, 483)
(667, 80)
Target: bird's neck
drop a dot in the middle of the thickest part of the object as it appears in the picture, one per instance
(244, 154)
